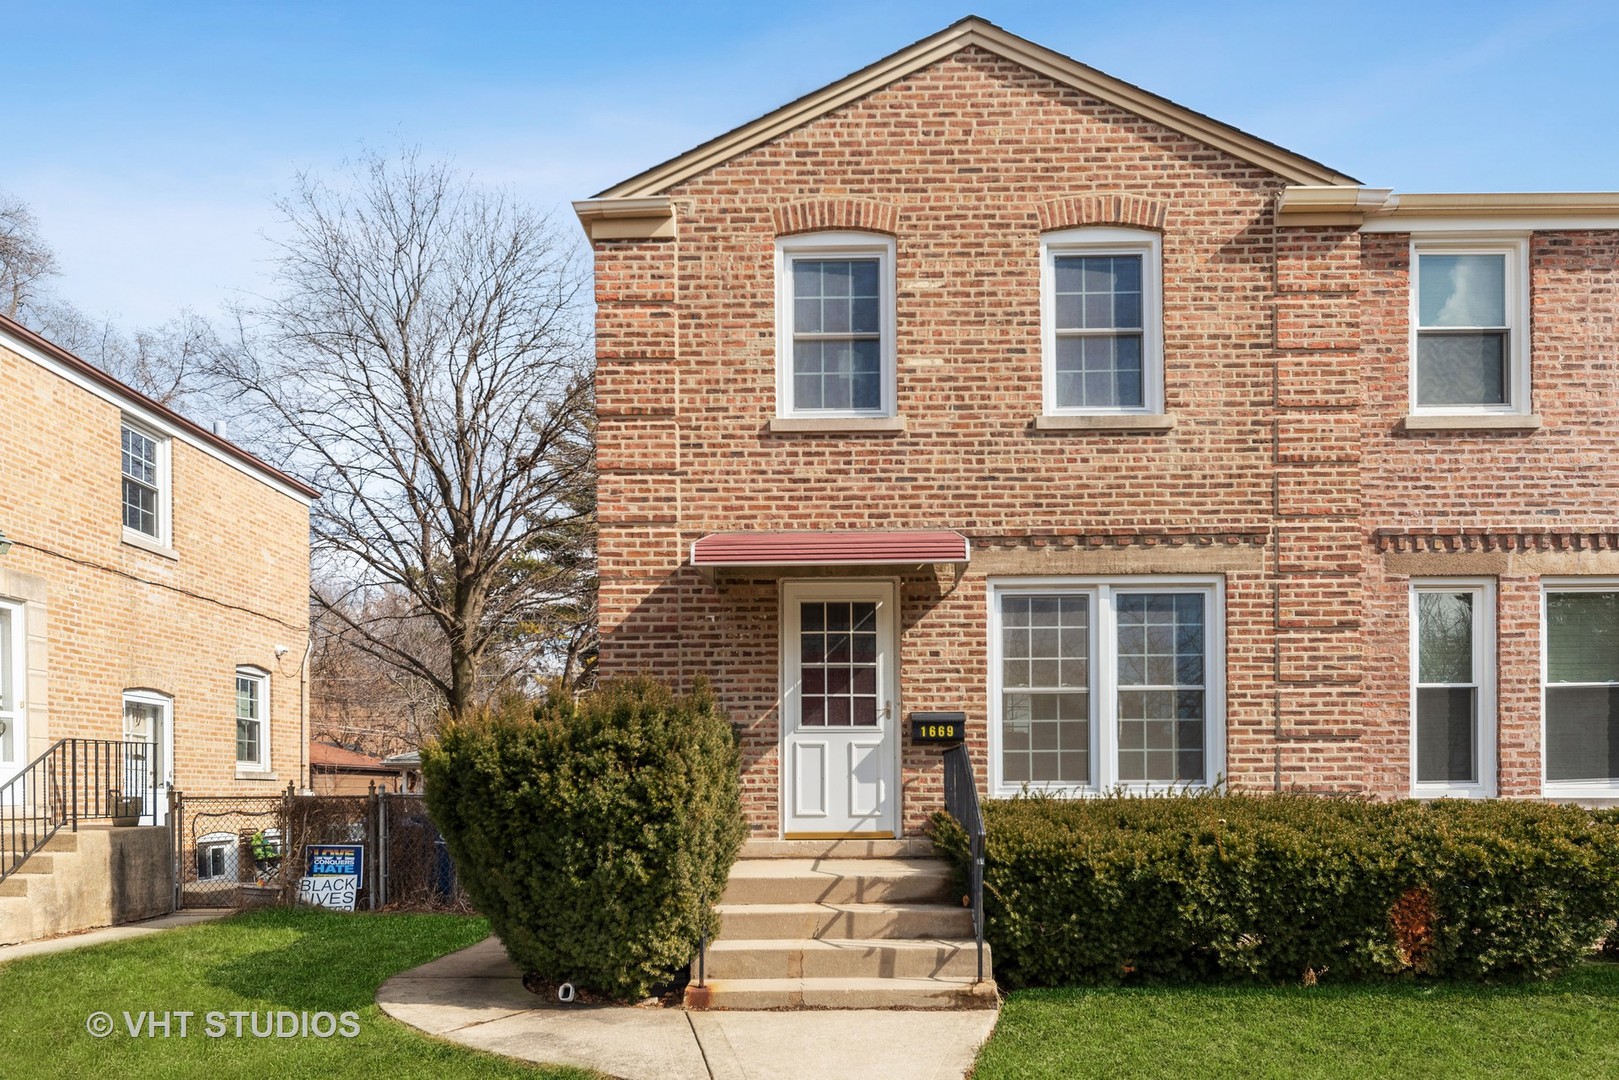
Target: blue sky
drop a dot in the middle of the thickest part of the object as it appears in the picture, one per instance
(151, 138)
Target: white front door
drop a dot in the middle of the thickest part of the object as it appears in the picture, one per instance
(149, 769)
(13, 709)
(840, 750)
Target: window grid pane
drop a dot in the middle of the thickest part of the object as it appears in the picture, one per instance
(837, 336)
(1161, 693)
(140, 482)
(838, 664)
(249, 719)
(1045, 703)
(1098, 326)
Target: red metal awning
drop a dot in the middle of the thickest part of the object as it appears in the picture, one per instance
(846, 547)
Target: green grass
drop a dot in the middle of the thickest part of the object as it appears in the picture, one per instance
(271, 960)
(1566, 1028)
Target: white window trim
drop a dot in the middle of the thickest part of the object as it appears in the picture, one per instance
(164, 537)
(1485, 674)
(1104, 692)
(1106, 241)
(1568, 789)
(1515, 247)
(262, 677)
(17, 716)
(834, 245)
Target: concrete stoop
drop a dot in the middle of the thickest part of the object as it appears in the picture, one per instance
(865, 924)
(99, 876)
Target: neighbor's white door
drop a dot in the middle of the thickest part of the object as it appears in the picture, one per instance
(148, 719)
(840, 748)
(13, 709)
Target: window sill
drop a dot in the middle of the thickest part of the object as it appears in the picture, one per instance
(808, 425)
(1472, 422)
(146, 543)
(1107, 422)
(1451, 793)
(1581, 791)
(255, 774)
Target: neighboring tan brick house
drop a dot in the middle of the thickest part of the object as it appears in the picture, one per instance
(157, 582)
(982, 381)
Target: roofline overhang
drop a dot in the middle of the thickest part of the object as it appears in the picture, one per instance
(974, 31)
(646, 218)
(1382, 210)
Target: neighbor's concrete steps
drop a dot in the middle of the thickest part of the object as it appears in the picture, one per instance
(842, 925)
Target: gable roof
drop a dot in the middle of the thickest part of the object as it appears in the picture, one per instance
(973, 31)
(31, 346)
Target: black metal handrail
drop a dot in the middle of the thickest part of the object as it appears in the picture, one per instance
(74, 780)
(961, 802)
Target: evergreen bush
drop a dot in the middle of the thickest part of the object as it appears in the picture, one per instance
(595, 834)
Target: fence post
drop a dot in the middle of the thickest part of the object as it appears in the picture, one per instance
(177, 823)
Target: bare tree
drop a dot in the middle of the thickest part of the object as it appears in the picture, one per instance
(426, 364)
(363, 703)
(25, 259)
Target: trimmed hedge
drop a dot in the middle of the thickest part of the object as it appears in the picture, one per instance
(1284, 887)
(596, 835)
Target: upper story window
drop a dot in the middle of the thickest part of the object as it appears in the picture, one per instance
(1470, 326)
(146, 483)
(835, 325)
(252, 718)
(1101, 321)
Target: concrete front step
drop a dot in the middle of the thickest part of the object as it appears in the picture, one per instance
(15, 885)
(65, 840)
(843, 993)
(843, 958)
(913, 847)
(838, 881)
(774, 921)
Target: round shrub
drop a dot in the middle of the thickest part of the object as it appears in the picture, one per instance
(595, 834)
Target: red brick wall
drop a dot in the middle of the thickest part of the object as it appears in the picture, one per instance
(1285, 380)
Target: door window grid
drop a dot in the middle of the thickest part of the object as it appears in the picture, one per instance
(838, 663)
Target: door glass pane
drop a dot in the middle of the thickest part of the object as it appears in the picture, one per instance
(1462, 290)
(837, 656)
(1045, 700)
(1161, 699)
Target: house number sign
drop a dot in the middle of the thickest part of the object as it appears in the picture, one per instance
(938, 728)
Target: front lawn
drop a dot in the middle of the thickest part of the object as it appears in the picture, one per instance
(266, 961)
(1565, 1028)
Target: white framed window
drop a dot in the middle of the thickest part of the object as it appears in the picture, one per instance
(1470, 325)
(1580, 687)
(1453, 711)
(1145, 654)
(252, 718)
(145, 467)
(835, 325)
(216, 857)
(13, 680)
(1101, 321)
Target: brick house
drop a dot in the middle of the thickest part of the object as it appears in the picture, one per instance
(156, 586)
(981, 381)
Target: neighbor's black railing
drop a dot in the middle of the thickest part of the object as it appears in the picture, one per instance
(961, 801)
(75, 780)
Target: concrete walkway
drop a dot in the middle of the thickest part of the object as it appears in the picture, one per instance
(475, 997)
(113, 933)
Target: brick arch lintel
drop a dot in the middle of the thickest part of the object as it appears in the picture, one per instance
(861, 215)
(1078, 211)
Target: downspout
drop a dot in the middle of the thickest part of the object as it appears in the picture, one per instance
(305, 783)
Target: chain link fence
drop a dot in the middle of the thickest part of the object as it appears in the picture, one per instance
(246, 851)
